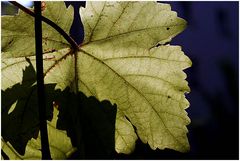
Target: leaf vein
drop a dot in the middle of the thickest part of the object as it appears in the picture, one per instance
(100, 15)
(123, 10)
(134, 88)
(141, 57)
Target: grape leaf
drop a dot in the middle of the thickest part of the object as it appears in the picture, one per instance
(18, 37)
(124, 59)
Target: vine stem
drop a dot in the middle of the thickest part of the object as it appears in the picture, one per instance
(40, 82)
(49, 22)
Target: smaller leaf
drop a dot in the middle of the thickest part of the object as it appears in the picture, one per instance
(59, 149)
(125, 135)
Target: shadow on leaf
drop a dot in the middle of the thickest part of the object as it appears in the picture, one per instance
(20, 120)
(89, 123)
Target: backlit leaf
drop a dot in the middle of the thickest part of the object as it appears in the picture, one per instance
(124, 59)
(18, 37)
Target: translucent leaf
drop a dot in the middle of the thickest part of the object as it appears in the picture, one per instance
(124, 59)
(125, 136)
(18, 37)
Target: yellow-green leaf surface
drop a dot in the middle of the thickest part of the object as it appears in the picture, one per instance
(17, 32)
(123, 59)
(60, 144)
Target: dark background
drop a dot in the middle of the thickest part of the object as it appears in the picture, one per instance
(211, 41)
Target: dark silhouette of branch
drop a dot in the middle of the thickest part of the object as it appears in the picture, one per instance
(40, 82)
